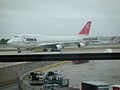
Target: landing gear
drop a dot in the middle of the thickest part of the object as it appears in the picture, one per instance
(52, 49)
(45, 50)
(18, 49)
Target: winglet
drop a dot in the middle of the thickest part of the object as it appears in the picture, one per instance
(86, 29)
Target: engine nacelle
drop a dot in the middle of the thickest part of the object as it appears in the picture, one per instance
(80, 45)
(58, 47)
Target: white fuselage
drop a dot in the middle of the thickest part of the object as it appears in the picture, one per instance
(56, 43)
(32, 41)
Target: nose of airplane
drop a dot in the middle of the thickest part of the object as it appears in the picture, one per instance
(9, 42)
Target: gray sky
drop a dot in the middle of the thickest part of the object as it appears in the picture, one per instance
(59, 17)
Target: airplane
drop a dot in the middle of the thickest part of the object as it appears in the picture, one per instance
(108, 40)
(56, 43)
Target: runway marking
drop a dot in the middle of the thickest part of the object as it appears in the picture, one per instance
(51, 66)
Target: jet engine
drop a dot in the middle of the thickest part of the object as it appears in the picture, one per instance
(80, 45)
(58, 47)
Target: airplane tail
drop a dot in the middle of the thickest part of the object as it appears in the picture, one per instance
(86, 29)
(113, 38)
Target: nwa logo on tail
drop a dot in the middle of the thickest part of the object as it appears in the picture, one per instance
(86, 29)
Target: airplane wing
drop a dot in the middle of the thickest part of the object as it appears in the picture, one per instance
(58, 45)
(50, 45)
(47, 45)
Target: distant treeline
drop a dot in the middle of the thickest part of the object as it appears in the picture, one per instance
(3, 41)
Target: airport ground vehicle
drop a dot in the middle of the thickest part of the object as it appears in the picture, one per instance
(79, 61)
(36, 78)
(115, 87)
(76, 62)
(54, 80)
(94, 85)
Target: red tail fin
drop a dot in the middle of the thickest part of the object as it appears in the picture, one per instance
(86, 29)
(113, 38)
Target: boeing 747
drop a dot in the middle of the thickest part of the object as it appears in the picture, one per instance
(55, 43)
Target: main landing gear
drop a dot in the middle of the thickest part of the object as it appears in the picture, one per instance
(44, 50)
(18, 49)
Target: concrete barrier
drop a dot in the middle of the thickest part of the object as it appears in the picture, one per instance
(9, 74)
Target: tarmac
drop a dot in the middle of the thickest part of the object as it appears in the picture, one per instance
(105, 71)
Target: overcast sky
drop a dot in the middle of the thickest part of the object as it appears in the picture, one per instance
(59, 17)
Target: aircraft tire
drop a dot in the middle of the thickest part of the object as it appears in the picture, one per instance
(45, 50)
(19, 51)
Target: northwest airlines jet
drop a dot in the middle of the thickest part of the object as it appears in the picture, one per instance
(56, 43)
